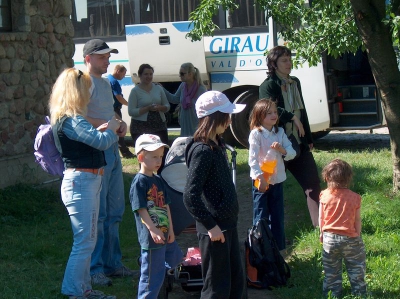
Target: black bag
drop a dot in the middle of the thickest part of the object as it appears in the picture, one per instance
(265, 267)
(295, 145)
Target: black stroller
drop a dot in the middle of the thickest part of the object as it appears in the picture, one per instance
(174, 175)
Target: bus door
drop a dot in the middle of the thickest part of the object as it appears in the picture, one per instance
(165, 47)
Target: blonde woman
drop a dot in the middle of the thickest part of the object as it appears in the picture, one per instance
(186, 95)
(81, 147)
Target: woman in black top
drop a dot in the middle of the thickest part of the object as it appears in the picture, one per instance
(286, 89)
(210, 197)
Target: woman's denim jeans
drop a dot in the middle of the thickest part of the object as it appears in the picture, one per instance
(80, 192)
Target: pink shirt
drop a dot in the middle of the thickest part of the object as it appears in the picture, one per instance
(338, 211)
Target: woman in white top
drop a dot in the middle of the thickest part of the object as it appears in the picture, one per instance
(147, 104)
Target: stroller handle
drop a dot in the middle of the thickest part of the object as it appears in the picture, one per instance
(233, 160)
(230, 148)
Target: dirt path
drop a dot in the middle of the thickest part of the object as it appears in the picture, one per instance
(349, 140)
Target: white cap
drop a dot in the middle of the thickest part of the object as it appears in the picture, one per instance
(149, 143)
(213, 101)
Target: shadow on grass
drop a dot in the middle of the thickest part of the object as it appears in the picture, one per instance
(353, 142)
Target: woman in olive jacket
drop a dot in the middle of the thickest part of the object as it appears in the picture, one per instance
(286, 90)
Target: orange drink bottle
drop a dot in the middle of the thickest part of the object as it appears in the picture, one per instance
(268, 167)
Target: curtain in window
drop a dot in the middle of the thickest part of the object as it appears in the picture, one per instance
(5, 15)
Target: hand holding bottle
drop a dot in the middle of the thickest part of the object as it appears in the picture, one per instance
(277, 146)
(268, 166)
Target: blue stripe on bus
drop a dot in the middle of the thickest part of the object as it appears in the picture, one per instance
(183, 27)
(223, 78)
(126, 81)
(138, 30)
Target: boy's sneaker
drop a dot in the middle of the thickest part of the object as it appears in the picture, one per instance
(124, 272)
(99, 295)
(101, 279)
(93, 294)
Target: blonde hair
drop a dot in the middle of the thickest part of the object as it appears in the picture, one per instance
(190, 68)
(337, 174)
(119, 67)
(70, 94)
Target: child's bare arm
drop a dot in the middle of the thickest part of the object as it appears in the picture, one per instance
(155, 233)
(171, 234)
(358, 222)
(321, 223)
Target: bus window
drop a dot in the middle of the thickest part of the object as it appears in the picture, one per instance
(93, 18)
(248, 14)
(155, 11)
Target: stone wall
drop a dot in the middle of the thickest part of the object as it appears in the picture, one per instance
(39, 47)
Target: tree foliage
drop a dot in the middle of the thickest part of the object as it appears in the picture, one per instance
(334, 27)
(326, 26)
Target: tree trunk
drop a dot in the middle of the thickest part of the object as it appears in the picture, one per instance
(382, 58)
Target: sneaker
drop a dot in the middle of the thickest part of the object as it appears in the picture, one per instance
(93, 294)
(124, 272)
(101, 279)
(99, 295)
(127, 154)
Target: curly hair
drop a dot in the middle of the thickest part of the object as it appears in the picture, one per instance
(338, 174)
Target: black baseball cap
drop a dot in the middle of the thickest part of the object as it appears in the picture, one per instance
(97, 46)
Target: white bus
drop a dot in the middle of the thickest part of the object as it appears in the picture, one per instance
(339, 94)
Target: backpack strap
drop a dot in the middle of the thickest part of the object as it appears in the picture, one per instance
(56, 129)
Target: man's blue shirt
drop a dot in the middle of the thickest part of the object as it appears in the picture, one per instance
(117, 90)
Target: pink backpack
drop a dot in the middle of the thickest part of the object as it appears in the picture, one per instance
(46, 152)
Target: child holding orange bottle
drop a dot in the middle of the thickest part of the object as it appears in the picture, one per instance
(269, 146)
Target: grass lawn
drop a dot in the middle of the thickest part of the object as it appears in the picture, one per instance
(35, 235)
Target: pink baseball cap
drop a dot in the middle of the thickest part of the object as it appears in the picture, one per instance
(213, 101)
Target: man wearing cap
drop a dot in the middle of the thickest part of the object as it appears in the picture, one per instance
(106, 257)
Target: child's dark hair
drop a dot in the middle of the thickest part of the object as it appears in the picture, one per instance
(208, 125)
(338, 174)
(259, 112)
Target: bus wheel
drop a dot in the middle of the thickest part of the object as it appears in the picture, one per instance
(319, 134)
(240, 121)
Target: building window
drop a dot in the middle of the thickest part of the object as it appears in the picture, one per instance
(5, 15)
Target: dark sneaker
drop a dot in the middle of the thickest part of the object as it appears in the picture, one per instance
(124, 272)
(127, 154)
(99, 295)
(93, 294)
(101, 279)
